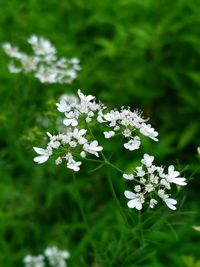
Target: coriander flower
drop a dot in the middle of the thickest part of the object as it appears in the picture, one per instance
(44, 62)
(172, 176)
(128, 176)
(109, 134)
(135, 200)
(127, 123)
(56, 258)
(133, 144)
(44, 154)
(151, 183)
(93, 148)
(34, 261)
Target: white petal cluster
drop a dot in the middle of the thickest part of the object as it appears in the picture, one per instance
(77, 108)
(151, 183)
(129, 123)
(79, 111)
(34, 261)
(55, 257)
(73, 141)
(52, 255)
(44, 62)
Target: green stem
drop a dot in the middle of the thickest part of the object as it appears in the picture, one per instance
(116, 200)
(80, 202)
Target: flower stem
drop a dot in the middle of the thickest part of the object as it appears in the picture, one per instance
(80, 202)
(116, 199)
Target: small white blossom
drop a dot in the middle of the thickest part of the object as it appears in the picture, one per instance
(139, 171)
(149, 188)
(133, 144)
(147, 130)
(170, 202)
(56, 258)
(152, 203)
(137, 188)
(83, 154)
(58, 161)
(127, 133)
(109, 134)
(128, 176)
(34, 261)
(44, 154)
(136, 200)
(93, 148)
(147, 160)
(172, 176)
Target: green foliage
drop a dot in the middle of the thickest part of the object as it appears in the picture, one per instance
(144, 54)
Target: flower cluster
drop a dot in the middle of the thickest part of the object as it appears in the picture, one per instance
(75, 109)
(34, 261)
(127, 122)
(77, 139)
(44, 62)
(54, 256)
(151, 183)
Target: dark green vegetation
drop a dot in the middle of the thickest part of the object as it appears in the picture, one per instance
(141, 53)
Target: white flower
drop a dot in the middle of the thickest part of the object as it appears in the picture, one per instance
(34, 261)
(137, 188)
(128, 176)
(109, 134)
(85, 98)
(165, 183)
(147, 160)
(149, 188)
(74, 165)
(140, 172)
(78, 135)
(136, 200)
(170, 202)
(70, 119)
(13, 69)
(92, 148)
(152, 203)
(133, 144)
(147, 130)
(44, 63)
(127, 133)
(172, 176)
(58, 161)
(56, 257)
(67, 102)
(83, 154)
(154, 179)
(44, 154)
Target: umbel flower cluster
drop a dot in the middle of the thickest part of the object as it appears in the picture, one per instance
(44, 62)
(150, 183)
(77, 141)
(52, 255)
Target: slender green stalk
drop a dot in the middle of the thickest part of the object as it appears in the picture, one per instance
(80, 202)
(116, 199)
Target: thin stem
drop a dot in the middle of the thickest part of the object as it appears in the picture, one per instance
(140, 227)
(114, 167)
(116, 199)
(80, 202)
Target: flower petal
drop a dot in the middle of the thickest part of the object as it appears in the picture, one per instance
(129, 194)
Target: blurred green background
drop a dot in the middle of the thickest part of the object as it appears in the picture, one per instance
(139, 53)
